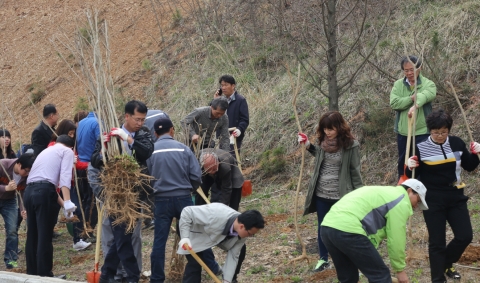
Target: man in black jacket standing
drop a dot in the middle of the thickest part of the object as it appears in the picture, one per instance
(237, 108)
(125, 248)
(42, 134)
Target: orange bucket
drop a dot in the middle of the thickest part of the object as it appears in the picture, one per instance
(246, 188)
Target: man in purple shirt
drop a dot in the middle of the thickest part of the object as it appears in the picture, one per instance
(53, 167)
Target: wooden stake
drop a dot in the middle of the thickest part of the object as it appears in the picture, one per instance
(299, 183)
(463, 114)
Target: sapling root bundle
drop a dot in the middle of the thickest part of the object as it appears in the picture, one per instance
(123, 182)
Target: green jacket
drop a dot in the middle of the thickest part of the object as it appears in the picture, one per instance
(349, 176)
(401, 102)
(377, 212)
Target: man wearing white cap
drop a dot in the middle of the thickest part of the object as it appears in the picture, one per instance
(357, 223)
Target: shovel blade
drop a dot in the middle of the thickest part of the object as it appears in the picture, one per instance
(93, 276)
(246, 188)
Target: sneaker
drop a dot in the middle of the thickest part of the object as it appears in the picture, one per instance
(452, 273)
(321, 265)
(11, 264)
(81, 245)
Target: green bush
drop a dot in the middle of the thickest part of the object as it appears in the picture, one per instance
(147, 65)
(37, 91)
(273, 161)
(82, 104)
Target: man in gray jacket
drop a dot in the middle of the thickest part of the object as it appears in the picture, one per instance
(205, 122)
(176, 172)
(222, 176)
(202, 227)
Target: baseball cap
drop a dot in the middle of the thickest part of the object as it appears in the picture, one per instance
(420, 189)
(162, 124)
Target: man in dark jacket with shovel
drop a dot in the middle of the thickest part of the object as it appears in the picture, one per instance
(222, 176)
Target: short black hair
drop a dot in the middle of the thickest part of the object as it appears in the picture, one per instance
(221, 102)
(415, 60)
(228, 79)
(49, 109)
(65, 140)
(439, 119)
(133, 105)
(251, 219)
(26, 160)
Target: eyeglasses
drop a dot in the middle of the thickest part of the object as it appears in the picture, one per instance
(439, 134)
(249, 234)
(138, 120)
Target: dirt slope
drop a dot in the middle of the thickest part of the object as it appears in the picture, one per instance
(27, 55)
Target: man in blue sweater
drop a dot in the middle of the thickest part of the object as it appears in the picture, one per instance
(176, 173)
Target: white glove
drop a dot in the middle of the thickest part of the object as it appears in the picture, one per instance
(237, 133)
(474, 147)
(68, 207)
(232, 139)
(412, 162)
(185, 241)
(120, 133)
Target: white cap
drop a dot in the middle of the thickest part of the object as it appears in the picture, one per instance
(420, 189)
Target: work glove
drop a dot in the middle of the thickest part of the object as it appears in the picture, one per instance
(68, 207)
(302, 138)
(106, 139)
(474, 147)
(232, 139)
(237, 133)
(119, 133)
(185, 241)
(412, 162)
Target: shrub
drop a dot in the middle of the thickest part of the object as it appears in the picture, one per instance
(147, 65)
(82, 104)
(37, 91)
(273, 161)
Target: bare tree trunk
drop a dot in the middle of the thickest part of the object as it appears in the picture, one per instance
(331, 32)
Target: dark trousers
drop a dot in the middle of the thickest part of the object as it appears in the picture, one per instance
(402, 149)
(446, 207)
(323, 207)
(42, 210)
(87, 198)
(166, 208)
(121, 252)
(193, 270)
(351, 252)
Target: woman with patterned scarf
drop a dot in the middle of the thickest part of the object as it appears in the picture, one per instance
(336, 171)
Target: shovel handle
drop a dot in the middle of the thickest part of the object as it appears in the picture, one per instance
(200, 192)
(200, 261)
(99, 235)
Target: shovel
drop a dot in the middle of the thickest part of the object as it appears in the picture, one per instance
(200, 261)
(94, 275)
(404, 177)
(247, 184)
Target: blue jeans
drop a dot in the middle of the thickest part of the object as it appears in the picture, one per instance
(166, 208)
(9, 212)
(351, 252)
(323, 207)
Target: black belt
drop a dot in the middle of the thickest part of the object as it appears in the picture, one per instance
(39, 182)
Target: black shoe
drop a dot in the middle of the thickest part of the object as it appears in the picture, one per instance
(56, 235)
(148, 224)
(109, 280)
(61, 276)
(452, 273)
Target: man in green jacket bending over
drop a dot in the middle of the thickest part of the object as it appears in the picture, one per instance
(401, 100)
(358, 222)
